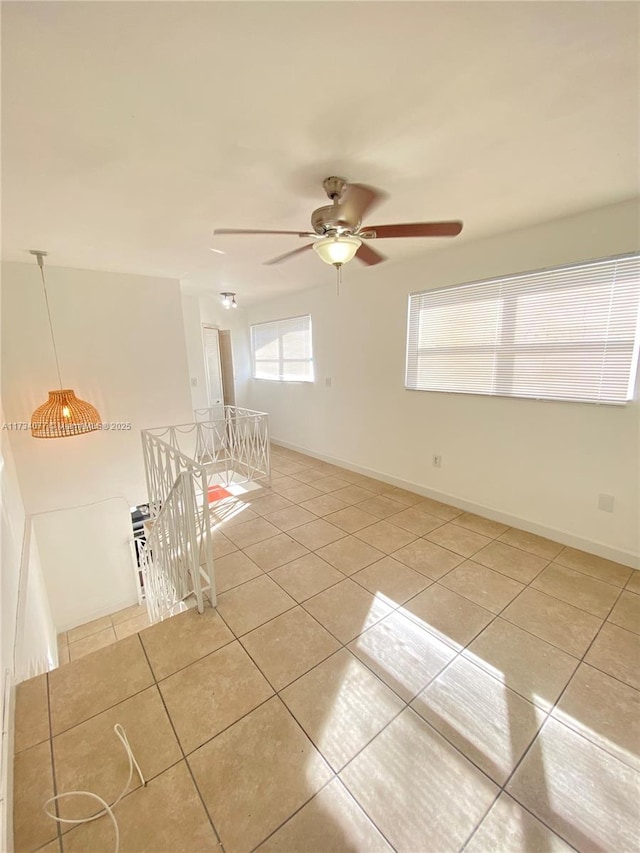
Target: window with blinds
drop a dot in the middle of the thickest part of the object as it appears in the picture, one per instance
(281, 350)
(569, 333)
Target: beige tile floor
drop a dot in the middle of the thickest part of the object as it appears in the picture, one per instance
(101, 632)
(383, 672)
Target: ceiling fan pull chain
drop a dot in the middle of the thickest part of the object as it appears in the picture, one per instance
(339, 271)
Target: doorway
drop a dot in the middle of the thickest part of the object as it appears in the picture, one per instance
(218, 359)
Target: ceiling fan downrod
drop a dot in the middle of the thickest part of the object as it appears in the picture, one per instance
(334, 188)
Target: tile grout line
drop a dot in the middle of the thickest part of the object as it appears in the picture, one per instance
(276, 694)
(294, 813)
(524, 808)
(485, 815)
(108, 708)
(549, 716)
(462, 512)
(131, 791)
(604, 620)
(550, 595)
(53, 765)
(111, 708)
(549, 561)
(417, 537)
(406, 704)
(184, 757)
(112, 626)
(583, 661)
(238, 639)
(335, 775)
(459, 654)
(302, 675)
(509, 527)
(401, 606)
(335, 778)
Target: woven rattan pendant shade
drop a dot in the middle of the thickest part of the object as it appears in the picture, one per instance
(62, 415)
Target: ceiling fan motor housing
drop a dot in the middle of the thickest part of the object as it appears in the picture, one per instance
(330, 219)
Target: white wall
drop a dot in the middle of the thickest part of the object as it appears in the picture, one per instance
(121, 346)
(36, 641)
(80, 543)
(11, 537)
(27, 636)
(537, 464)
(195, 354)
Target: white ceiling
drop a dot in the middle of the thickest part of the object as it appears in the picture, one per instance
(131, 130)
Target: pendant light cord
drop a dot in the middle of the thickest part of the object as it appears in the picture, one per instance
(40, 257)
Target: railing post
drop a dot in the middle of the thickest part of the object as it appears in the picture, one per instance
(207, 539)
(192, 536)
(267, 448)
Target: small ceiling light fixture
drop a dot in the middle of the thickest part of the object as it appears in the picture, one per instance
(229, 300)
(63, 414)
(337, 249)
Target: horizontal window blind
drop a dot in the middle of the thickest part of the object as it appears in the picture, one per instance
(570, 333)
(282, 350)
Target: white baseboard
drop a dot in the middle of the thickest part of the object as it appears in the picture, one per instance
(600, 549)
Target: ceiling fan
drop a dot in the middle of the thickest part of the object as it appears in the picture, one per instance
(338, 232)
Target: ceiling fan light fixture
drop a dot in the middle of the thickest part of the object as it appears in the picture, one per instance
(337, 249)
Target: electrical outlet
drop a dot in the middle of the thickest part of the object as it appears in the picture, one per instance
(327, 382)
(194, 382)
(606, 502)
(437, 461)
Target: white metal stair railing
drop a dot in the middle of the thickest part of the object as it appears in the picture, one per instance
(171, 557)
(248, 437)
(232, 440)
(177, 558)
(182, 464)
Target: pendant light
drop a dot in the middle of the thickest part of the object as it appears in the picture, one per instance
(63, 414)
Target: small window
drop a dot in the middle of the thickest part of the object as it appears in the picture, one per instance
(569, 333)
(281, 350)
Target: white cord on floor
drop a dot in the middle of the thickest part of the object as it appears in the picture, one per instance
(106, 808)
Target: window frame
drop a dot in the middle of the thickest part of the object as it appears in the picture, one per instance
(281, 361)
(502, 358)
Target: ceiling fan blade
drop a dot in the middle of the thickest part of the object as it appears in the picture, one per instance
(358, 200)
(288, 255)
(415, 229)
(369, 256)
(218, 231)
